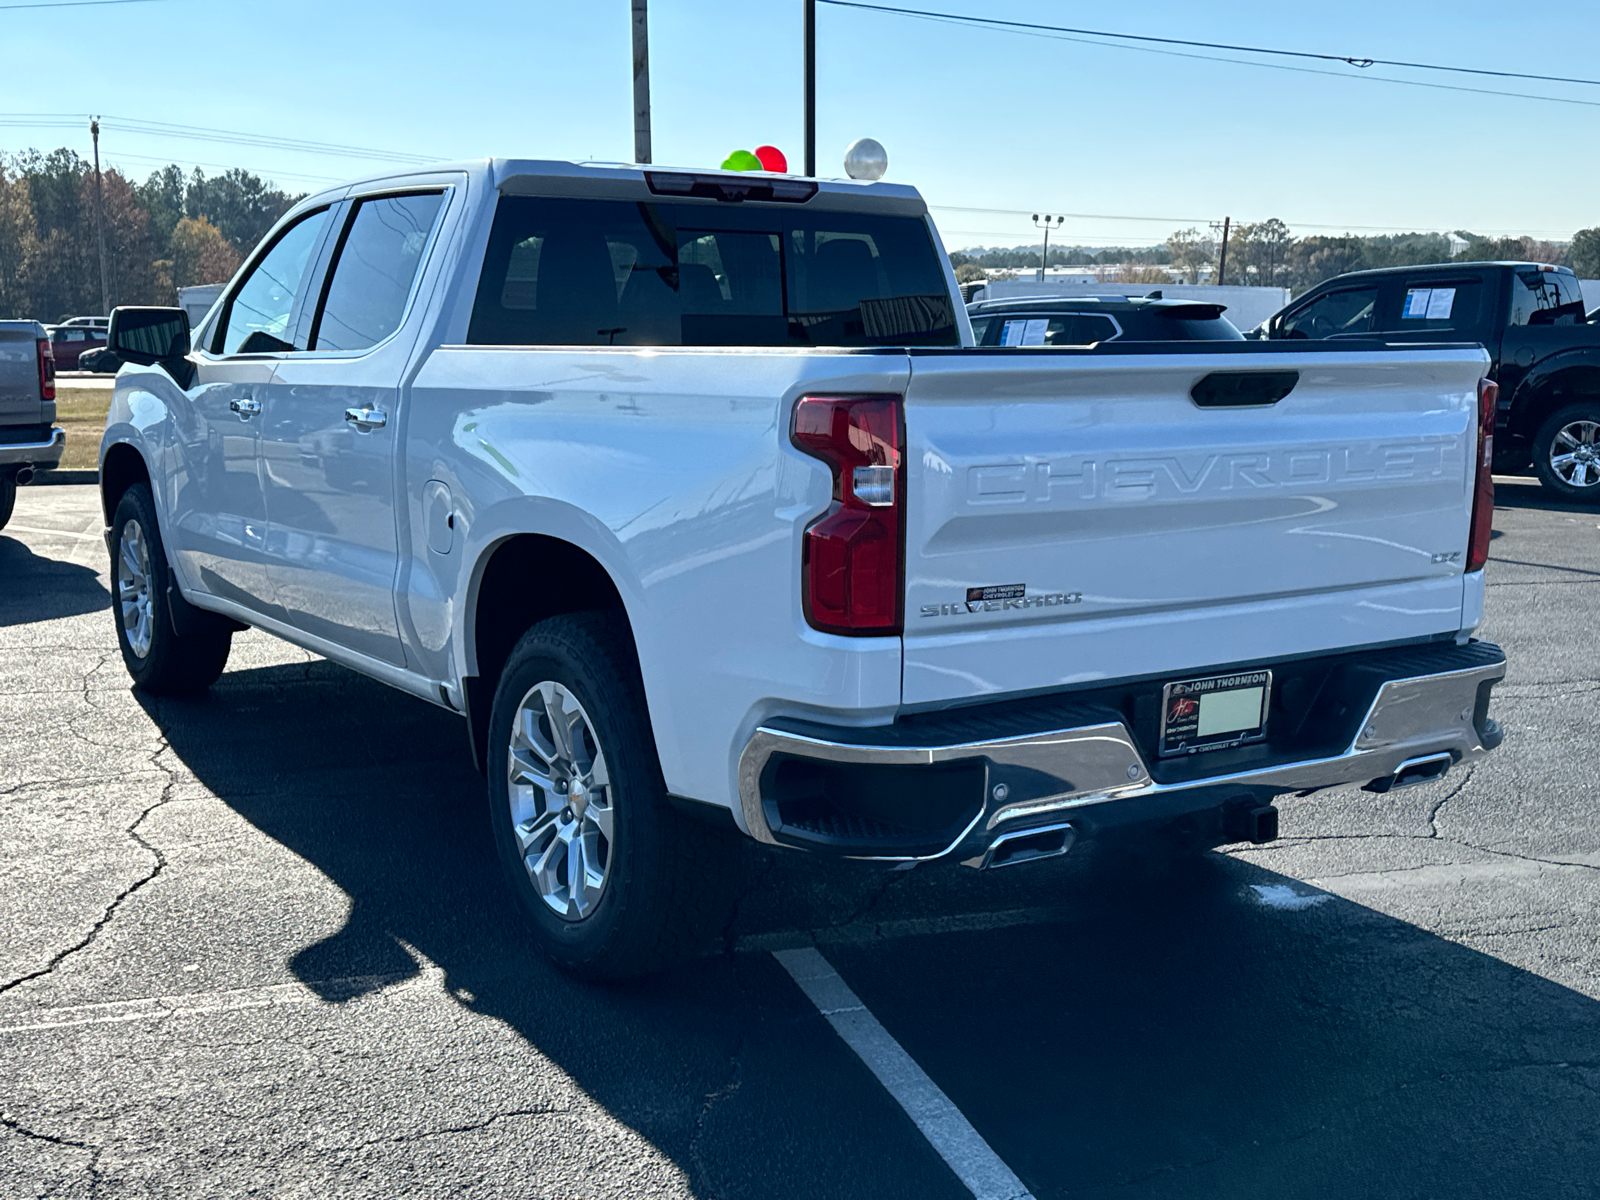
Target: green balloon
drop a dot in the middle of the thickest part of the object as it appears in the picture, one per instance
(742, 160)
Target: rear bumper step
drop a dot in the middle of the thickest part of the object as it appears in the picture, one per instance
(40, 455)
(895, 794)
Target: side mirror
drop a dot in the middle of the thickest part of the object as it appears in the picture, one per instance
(149, 335)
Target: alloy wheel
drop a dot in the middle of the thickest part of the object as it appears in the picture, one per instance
(560, 794)
(133, 588)
(1575, 453)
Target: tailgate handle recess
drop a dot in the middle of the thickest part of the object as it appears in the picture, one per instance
(1243, 389)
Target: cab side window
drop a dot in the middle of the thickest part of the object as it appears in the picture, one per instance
(1438, 304)
(255, 319)
(1545, 298)
(373, 270)
(1348, 311)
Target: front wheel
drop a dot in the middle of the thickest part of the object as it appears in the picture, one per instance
(612, 880)
(1566, 452)
(160, 661)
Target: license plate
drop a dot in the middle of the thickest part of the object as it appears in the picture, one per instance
(1214, 713)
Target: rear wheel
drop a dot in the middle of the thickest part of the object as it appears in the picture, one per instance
(160, 660)
(1566, 452)
(613, 881)
(8, 498)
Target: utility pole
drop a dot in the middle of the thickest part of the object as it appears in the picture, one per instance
(99, 224)
(1222, 260)
(1044, 259)
(641, 82)
(811, 85)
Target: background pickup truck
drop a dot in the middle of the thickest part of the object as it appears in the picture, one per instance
(29, 440)
(1543, 351)
(692, 495)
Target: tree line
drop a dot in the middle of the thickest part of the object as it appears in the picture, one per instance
(1267, 253)
(173, 230)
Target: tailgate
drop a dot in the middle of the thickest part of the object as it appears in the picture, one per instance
(1074, 517)
(19, 374)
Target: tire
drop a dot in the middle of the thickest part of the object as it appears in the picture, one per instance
(655, 880)
(8, 499)
(1566, 452)
(161, 662)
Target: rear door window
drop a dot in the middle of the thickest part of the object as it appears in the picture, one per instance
(373, 270)
(588, 273)
(1332, 314)
(1439, 304)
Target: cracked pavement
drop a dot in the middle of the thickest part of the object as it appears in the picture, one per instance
(254, 945)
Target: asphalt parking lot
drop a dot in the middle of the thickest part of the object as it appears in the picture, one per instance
(254, 945)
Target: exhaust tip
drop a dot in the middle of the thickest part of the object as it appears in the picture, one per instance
(24, 476)
(1026, 845)
(1414, 771)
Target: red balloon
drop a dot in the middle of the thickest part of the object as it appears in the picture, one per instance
(772, 159)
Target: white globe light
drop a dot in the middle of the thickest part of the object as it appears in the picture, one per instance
(866, 159)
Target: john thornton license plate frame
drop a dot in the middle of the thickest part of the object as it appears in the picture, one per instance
(1190, 725)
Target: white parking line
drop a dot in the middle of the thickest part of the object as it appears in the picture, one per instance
(941, 1122)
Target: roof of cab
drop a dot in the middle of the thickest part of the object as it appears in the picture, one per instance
(1086, 303)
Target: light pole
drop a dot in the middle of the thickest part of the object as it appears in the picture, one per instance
(809, 68)
(641, 82)
(99, 221)
(1044, 224)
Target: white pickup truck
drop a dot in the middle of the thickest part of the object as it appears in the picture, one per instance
(691, 494)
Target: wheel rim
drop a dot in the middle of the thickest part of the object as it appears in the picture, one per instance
(560, 792)
(1575, 454)
(133, 588)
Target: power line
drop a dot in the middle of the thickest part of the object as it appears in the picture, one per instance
(1353, 60)
(207, 134)
(72, 4)
(1023, 212)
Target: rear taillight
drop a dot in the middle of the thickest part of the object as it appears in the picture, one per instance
(47, 369)
(852, 562)
(1483, 485)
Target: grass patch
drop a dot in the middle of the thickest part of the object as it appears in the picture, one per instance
(82, 413)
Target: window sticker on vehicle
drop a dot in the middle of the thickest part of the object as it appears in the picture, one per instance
(1025, 332)
(1429, 304)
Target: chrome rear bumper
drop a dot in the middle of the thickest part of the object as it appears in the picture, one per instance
(1031, 778)
(41, 455)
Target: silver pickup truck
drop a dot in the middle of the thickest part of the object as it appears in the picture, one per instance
(29, 440)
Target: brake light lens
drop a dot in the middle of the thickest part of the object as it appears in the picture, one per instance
(1483, 486)
(852, 561)
(47, 369)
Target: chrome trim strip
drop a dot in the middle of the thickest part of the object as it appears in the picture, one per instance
(434, 691)
(34, 453)
(1418, 716)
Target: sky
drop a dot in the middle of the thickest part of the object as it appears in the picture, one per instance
(1133, 144)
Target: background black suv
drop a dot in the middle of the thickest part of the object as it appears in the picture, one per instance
(1530, 317)
(1085, 320)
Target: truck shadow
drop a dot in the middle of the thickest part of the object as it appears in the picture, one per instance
(1170, 1036)
(1530, 493)
(35, 588)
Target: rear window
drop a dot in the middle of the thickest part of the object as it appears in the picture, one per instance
(614, 273)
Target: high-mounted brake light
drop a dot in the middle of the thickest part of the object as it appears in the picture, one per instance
(852, 564)
(1483, 485)
(47, 369)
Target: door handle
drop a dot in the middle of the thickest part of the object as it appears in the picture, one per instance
(245, 408)
(366, 419)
